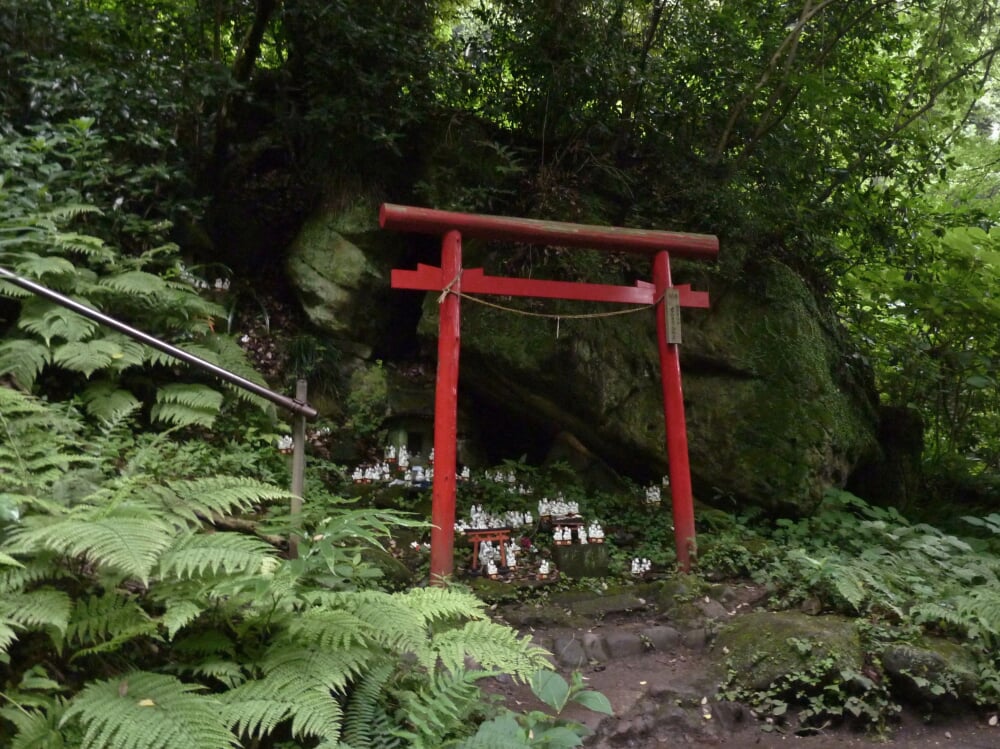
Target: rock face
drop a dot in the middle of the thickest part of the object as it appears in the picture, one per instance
(342, 288)
(774, 414)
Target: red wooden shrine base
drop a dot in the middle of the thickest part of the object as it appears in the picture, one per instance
(451, 277)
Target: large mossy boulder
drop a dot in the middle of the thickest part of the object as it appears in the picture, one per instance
(339, 277)
(775, 412)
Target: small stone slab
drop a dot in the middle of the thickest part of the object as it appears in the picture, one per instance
(624, 644)
(603, 605)
(663, 639)
(568, 651)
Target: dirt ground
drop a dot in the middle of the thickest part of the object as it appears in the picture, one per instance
(667, 699)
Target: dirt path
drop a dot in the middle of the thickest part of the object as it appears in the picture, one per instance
(662, 681)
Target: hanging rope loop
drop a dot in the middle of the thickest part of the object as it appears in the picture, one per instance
(547, 315)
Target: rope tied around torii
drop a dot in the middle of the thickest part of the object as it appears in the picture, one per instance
(547, 315)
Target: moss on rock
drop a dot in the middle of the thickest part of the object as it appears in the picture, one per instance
(763, 647)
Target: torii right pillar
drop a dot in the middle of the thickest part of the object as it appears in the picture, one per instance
(668, 340)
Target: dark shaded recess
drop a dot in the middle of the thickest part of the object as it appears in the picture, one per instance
(512, 426)
(260, 206)
(893, 477)
(501, 434)
(401, 343)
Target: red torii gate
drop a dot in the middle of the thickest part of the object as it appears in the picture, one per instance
(451, 280)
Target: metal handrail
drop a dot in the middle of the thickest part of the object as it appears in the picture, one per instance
(293, 405)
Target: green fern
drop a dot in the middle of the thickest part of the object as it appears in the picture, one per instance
(86, 356)
(8, 633)
(128, 539)
(100, 618)
(179, 614)
(366, 720)
(44, 608)
(297, 686)
(203, 498)
(187, 404)
(106, 401)
(38, 727)
(194, 554)
(442, 705)
(148, 711)
(48, 320)
(493, 647)
(30, 265)
(329, 629)
(23, 359)
(134, 282)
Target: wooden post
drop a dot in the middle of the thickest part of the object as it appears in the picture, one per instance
(298, 466)
(446, 413)
(673, 413)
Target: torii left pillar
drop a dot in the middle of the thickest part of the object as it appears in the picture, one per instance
(451, 280)
(446, 413)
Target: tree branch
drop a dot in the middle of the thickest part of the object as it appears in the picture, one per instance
(786, 49)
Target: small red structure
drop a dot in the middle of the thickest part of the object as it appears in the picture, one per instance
(479, 537)
(452, 280)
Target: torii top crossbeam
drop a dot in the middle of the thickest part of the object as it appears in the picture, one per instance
(452, 280)
(535, 231)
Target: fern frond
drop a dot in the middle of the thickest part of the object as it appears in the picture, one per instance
(44, 566)
(192, 555)
(494, 647)
(396, 625)
(930, 611)
(186, 404)
(366, 721)
(178, 615)
(97, 619)
(37, 266)
(38, 728)
(441, 603)
(123, 538)
(9, 561)
(444, 703)
(23, 359)
(134, 282)
(85, 244)
(148, 711)
(38, 609)
(8, 634)
(229, 673)
(329, 629)
(106, 401)
(288, 664)
(257, 707)
(48, 320)
(224, 351)
(86, 356)
(199, 499)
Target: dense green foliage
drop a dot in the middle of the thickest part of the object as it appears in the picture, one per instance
(904, 580)
(150, 148)
(134, 615)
